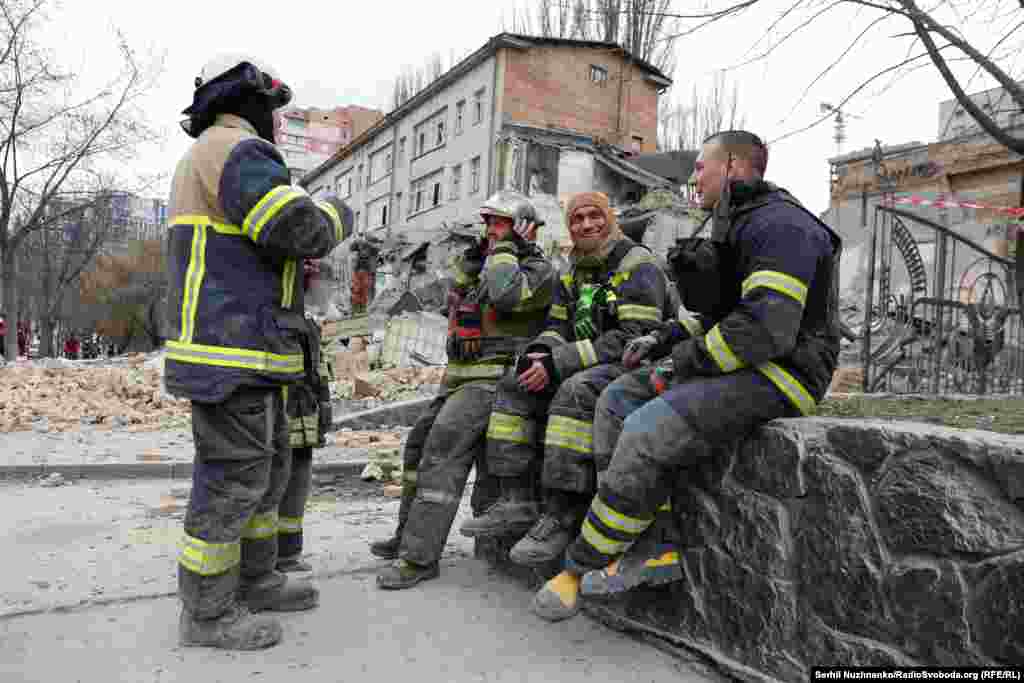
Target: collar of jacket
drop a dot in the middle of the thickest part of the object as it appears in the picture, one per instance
(234, 121)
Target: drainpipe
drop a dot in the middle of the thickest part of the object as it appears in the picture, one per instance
(494, 115)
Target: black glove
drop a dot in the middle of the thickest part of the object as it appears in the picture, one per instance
(688, 361)
(325, 415)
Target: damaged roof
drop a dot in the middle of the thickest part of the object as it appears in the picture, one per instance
(677, 166)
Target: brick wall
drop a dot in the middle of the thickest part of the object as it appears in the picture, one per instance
(551, 86)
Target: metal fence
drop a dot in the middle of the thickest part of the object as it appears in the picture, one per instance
(948, 323)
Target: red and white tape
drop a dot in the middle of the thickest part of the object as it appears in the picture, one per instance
(944, 202)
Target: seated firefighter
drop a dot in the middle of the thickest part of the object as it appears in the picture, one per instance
(764, 289)
(503, 288)
(614, 292)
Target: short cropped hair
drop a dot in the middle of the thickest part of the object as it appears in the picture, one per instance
(743, 145)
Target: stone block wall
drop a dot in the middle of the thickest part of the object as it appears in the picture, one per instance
(836, 542)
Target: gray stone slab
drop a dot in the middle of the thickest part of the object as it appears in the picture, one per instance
(403, 413)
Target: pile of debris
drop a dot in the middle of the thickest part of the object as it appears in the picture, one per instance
(63, 396)
(397, 384)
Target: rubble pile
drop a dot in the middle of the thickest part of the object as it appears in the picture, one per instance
(63, 397)
(396, 384)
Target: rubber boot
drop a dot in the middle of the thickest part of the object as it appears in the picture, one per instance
(513, 514)
(278, 593)
(404, 574)
(387, 549)
(236, 629)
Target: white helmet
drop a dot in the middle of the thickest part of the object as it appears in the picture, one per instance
(248, 70)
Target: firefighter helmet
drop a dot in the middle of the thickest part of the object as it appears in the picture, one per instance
(510, 204)
(225, 79)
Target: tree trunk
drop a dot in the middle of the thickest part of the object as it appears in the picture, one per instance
(9, 306)
(46, 329)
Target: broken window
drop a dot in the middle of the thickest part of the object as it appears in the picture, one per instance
(456, 181)
(478, 107)
(437, 193)
(440, 133)
(418, 193)
(423, 143)
(384, 214)
(460, 110)
(474, 175)
(598, 74)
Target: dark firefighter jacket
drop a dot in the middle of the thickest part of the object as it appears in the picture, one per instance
(238, 231)
(641, 306)
(514, 287)
(784, 321)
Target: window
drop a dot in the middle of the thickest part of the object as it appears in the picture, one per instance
(430, 134)
(401, 150)
(344, 185)
(598, 74)
(478, 107)
(398, 203)
(358, 214)
(460, 111)
(388, 162)
(456, 181)
(359, 177)
(474, 175)
(349, 187)
(384, 213)
(426, 193)
(412, 200)
(380, 165)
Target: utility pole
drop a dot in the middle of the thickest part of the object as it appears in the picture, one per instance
(839, 136)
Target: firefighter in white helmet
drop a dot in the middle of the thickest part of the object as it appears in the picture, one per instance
(238, 234)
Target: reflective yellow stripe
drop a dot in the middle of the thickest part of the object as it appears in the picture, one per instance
(692, 325)
(512, 428)
(332, 213)
(197, 220)
(665, 507)
(720, 351)
(559, 312)
(525, 294)
(638, 312)
(206, 559)
(193, 283)
(552, 334)
(260, 526)
(567, 281)
(780, 282)
(228, 357)
(613, 519)
(438, 497)
(462, 371)
(789, 386)
(620, 277)
(666, 559)
(288, 283)
(289, 525)
(588, 356)
(565, 432)
(602, 543)
(268, 207)
(501, 259)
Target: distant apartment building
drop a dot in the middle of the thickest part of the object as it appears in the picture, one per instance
(308, 137)
(546, 116)
(137, 218)
(956, 123)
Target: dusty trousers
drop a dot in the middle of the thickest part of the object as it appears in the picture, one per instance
(242, 464)
(659, 437)
(454, 443)
(293, 503)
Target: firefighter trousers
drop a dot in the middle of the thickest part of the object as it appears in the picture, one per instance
(530, 432)
(241, 469)
(455, 427)
(659, 437)
(293, 503)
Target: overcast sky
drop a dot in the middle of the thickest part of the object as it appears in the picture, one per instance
(350, 52)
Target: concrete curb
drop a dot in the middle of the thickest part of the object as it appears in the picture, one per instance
(177, 471)
(403, 413)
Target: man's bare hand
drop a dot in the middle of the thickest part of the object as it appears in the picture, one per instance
(535, 378)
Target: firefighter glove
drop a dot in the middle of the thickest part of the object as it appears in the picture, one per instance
(639, 349)
(584, 324)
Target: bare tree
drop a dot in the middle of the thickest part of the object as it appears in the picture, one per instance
(411, 80)
(982, 39)
(56, 147)
(685, 125)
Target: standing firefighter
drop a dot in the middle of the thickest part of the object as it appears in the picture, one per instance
(613, 293)
(503, 288)
(765, 288)
(238, 234)
(308, 406)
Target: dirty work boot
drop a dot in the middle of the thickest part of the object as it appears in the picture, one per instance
(558, 599)
(512, 514)
(387, 549)
(544, 542)
(654, 566)
(278, 593)
(290, 565)
(236, 629)
(404, 574)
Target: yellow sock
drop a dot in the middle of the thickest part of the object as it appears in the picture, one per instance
(566, 586)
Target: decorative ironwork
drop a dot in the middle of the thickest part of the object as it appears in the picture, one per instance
(958, 331)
